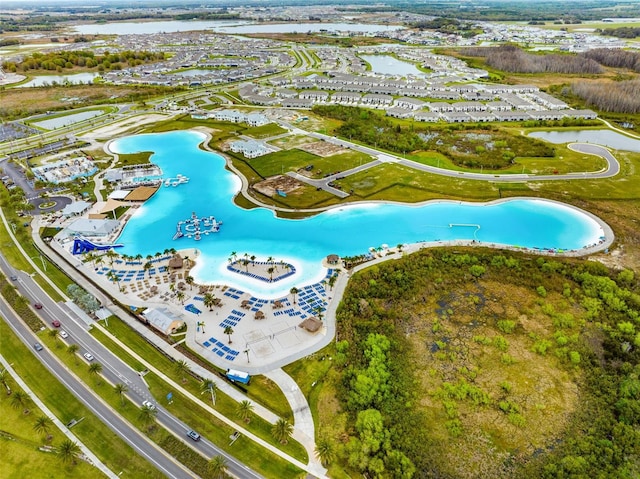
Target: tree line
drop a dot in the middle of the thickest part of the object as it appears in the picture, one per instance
(616, 58)
(512, 59)
(618, 97)
(621, 32)
(62, 60)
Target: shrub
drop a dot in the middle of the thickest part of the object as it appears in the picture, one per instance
(506, 326)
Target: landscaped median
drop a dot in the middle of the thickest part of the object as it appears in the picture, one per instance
(189, 411)
(113, 451)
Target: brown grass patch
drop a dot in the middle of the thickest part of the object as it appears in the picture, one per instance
(544, 392)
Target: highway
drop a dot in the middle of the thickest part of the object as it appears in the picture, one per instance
(114, 371)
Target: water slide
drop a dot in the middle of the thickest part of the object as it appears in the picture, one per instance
(83, 245)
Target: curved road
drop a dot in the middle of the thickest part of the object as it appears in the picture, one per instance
(612, 169)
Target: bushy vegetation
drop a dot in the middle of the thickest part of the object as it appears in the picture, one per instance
(371, 128)
(65, 60)
(471, 146)
(592, 334)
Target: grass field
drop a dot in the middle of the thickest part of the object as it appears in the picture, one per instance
(21, 456)
(117, 455)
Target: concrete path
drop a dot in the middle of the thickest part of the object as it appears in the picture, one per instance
(304, 431)
(90, 457)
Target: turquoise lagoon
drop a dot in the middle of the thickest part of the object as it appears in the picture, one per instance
(346, 230)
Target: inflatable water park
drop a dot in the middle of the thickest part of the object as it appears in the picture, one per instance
(195, 227)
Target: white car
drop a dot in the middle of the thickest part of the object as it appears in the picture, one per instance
(148, 404)
(88, 356)
(63, 334)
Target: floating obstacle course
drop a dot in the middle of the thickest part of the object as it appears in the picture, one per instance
(195, 227)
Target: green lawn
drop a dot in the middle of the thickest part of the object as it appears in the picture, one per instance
(20, 454)
(117, 455)
(265, 131)
(281, 162)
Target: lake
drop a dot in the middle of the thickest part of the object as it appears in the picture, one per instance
(346, 231)
(76, 78)
(607, 138)
(238, 27)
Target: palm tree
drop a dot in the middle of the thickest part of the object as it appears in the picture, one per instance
(244, 410)
(209, 386)
(180, 295)
(54, 334)
(95, 369)
(282, 430)
(147, 414)
(111, 255)
(270, 259)
(4, 380)
(228, 331)
(120, 389)
(253, 259)
(270, 270)
(318, 311)
(217, 467)
(43, 426)
(189, 281)
(233, 256)
(325, 451)
(182, 368)
(72, 349)
(208, 300)
(68, 451)
(400, 246)
(113, 277)
(147, 267)
(294, 291)
(20, 399)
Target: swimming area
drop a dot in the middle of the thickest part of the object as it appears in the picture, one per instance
(346, 230)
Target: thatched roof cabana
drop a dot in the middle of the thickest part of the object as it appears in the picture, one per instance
(259, 315)
(313, 325)
(176, 262)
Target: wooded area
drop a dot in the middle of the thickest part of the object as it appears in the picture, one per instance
(592, 315)
(619, 97)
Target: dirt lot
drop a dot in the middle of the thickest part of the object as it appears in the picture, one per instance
(322, 148)
(283, 183)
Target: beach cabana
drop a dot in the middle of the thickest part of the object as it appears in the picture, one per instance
(313, 325)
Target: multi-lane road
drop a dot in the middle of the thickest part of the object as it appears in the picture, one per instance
(114, 371)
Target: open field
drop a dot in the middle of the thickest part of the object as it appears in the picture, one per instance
(23, 102)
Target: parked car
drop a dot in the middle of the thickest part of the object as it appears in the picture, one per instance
(193, 435)
(148, 404)
(88, 356)
(13, 277)
(37, 347)
(63, 334)
(55, 323)
(37, 305)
